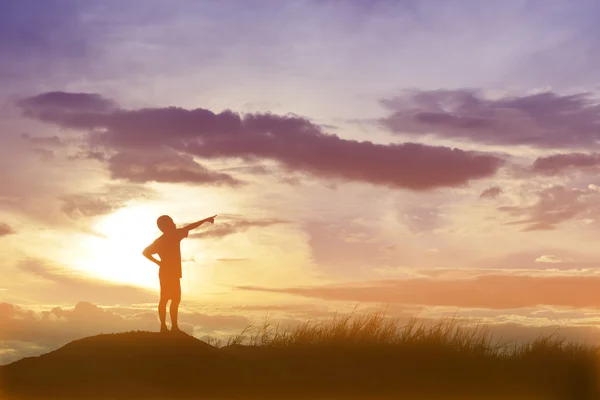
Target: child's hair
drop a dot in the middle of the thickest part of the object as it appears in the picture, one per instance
(164, 223)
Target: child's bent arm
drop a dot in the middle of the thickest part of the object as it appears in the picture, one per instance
(148, 254)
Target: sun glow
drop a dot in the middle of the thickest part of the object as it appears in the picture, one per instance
(113, 251)
(115, 254)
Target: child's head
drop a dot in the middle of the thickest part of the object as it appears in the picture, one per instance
(165, 224)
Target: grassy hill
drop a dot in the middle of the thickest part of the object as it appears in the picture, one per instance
(365, 357)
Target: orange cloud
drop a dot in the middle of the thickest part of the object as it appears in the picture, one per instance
(489, 291)
(6, 229)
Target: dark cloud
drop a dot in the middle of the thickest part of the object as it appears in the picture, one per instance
(544, 119)
(87, 154)
(69, 287)
(489, 291)
(5, 230)
(255, 169)
(114, 196)
(556, 205)
(47, 104)
(409, 166)
(168, 167)
(287, 176)
(294, 142)
(561, 163)
(491, 193)
(232, 225)
(50, 141)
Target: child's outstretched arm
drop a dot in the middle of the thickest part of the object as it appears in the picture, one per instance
(197, 224)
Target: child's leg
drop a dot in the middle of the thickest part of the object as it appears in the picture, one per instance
(175, 300)
(162, 313)
(162, 305)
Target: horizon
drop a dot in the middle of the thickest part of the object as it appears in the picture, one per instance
(435, 159)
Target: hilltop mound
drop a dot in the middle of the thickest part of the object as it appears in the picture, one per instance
(138, 343)
(165, 366)
(131, 362)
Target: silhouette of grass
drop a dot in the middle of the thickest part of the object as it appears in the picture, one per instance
(371, 329)
(352, 355)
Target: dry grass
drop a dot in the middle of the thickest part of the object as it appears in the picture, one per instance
(373, 352)
(375, 329)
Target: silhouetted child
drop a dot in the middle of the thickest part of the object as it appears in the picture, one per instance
(167, 246)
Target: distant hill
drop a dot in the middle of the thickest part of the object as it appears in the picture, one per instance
(163, 366)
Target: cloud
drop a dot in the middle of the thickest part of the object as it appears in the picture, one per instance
(423, 218)
(491, 193)
(44, 154)
(206, 322)
(169, 167)
(59, 325)
(530, 262)
(115, 196)
(556, 205)
(309, 311)
(51, 141)
(547, 120)
(548, 259)
(44, 146)
(235, 225)
(294, 142)
(561, 163)
(5, 230)
(83, 205)
(26, 332)
(488, 291)
(59, 285)
(67, 104)
(349, 244)
(29, 333)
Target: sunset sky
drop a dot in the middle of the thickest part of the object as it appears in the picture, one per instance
(438, 157)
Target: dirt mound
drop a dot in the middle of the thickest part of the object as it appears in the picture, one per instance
(132, 362)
